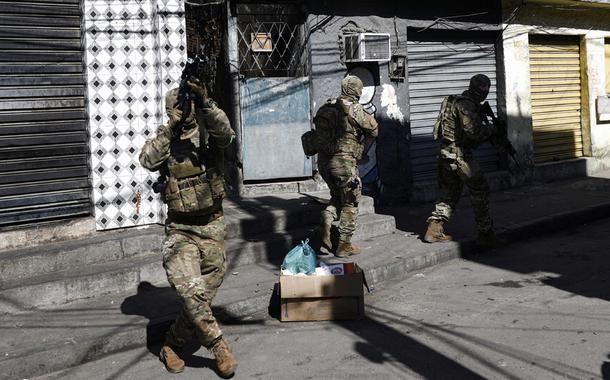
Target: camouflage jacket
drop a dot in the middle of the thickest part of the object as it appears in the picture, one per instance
(472, 128)
(212, 131)
(360, 125)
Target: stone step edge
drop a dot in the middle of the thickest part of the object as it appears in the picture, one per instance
(124, 247)
(122, 234)
(128, 273)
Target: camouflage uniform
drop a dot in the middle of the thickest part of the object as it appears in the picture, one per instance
(194, 249)
(457, 165)
(340, 170)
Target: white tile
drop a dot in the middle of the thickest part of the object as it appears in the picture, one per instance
(122, 108)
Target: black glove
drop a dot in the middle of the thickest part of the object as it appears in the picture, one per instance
(201, 94)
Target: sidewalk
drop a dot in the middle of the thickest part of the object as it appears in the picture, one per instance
(522, 212)
(37, 342)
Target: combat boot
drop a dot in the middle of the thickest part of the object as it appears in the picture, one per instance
(489, 240)
(435, 234)
(171, 360)
(325, 236)
(346, 249)
(224, 358)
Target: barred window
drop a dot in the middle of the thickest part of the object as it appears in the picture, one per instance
(271, 40)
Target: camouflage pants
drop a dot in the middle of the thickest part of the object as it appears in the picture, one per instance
(195, 265)
(341, 175)
(452, 175)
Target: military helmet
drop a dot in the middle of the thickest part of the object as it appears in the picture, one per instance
(479, 86)
(351, 86)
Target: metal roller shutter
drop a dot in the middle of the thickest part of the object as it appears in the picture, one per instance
(43, 129)
(438, 69)
(556, 100)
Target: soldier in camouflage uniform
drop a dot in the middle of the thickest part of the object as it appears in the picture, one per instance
(188, 153)
(461, 128)
(338, 166)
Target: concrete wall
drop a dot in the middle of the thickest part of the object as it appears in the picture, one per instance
(540, 17)
(390, 99)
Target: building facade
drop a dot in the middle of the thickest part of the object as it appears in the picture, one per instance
(82, 87)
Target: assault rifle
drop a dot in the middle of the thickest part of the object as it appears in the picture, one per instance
(501, 125)
(185, 94)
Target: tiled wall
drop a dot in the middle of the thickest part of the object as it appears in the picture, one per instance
(135, 50)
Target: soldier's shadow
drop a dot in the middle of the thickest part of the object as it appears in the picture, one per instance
(160, 306)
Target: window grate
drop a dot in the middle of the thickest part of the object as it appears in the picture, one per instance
(284, 54)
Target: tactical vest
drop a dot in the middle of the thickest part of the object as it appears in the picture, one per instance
(445, 126)
(350, 141)
(193, 185)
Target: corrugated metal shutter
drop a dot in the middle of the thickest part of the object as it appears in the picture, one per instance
(556, 98)
(438, 69)
(43, 129)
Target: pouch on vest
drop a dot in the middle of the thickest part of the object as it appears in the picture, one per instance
(217, 186)
(436, 132)
(308, 140)
(188, 195)
(444, 127)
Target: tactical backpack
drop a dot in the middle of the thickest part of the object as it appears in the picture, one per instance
(330, 125)
(444, 128)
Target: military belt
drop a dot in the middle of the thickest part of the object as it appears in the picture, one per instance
(199, 220)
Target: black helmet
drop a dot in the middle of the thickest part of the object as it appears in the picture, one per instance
(479, 86)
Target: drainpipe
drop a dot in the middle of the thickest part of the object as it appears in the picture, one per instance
(234, 97)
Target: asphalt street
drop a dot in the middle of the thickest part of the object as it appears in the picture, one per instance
(538, 309)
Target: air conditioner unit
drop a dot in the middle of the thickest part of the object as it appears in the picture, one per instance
(367, 47)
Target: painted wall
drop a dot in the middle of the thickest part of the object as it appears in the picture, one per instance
(539, 17)
(390, 99)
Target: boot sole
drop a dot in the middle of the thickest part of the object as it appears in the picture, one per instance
(171, 370)
(228, 375)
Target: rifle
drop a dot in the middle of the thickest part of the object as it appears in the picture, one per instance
(185, 94)
(367, 142)
(503, 132)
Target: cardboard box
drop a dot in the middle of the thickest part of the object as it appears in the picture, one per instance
(322, 298)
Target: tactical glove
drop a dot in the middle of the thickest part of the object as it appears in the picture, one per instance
(201, 94)
(175, 115)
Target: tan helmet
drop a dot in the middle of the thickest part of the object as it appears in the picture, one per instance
(351, 87)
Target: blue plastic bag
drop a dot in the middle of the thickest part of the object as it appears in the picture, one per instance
(301, 259)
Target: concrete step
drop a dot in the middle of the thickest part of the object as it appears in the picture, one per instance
(91, 280)
(272, 248)
(43, 341)
(250, 219)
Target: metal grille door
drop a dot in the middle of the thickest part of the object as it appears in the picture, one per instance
(274, 99)
(556, 100)
(438, 69)
(43, 135)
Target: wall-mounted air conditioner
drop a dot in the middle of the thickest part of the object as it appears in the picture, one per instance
(367, 47)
